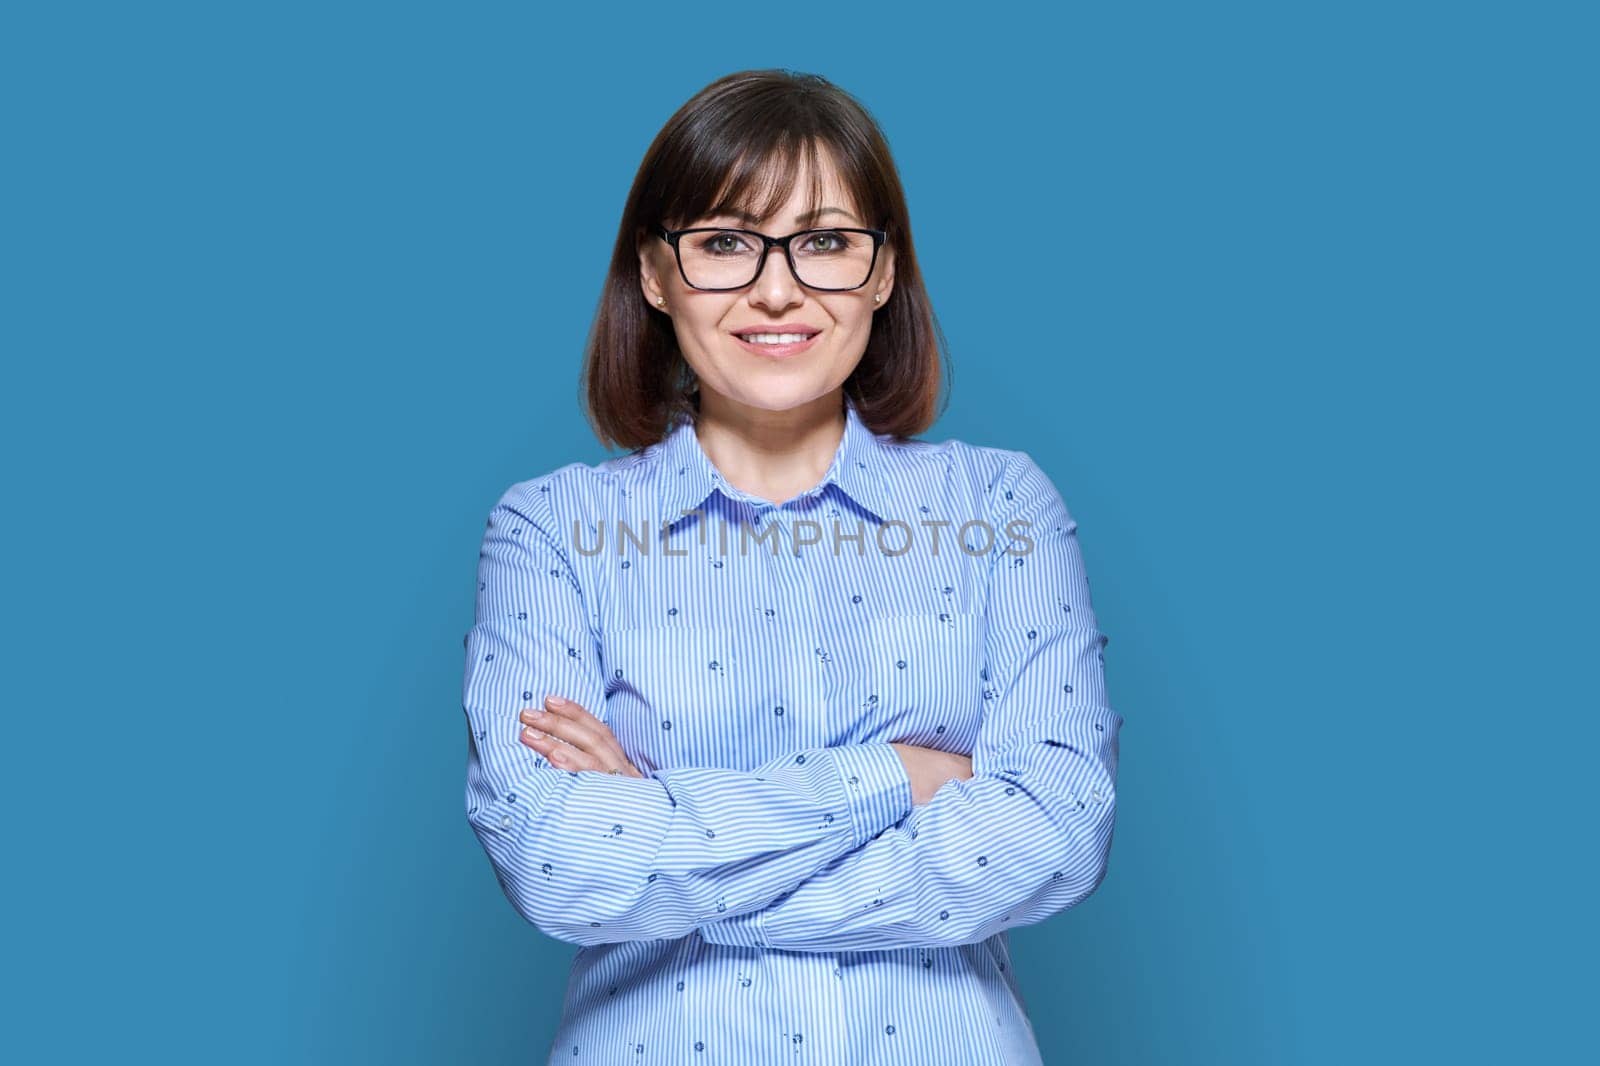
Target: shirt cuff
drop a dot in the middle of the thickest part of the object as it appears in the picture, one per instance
(876, 786)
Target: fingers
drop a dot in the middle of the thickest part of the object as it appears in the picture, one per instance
(573, 739)
(561, 755)
(587, 725)
(572, 724)
(544, 734)
(565, 756)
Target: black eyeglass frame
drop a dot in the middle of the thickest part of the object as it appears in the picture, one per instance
(768, 243)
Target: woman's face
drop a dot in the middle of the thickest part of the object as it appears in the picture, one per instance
(706, 323)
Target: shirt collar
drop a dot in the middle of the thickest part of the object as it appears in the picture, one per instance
(688, 476)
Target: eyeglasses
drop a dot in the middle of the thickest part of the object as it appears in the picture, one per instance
(719, 260)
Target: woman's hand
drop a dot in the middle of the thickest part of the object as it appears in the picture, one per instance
(573, 739)
(930, 768)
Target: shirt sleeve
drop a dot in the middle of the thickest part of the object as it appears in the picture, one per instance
(1029, 834)
(594, 858)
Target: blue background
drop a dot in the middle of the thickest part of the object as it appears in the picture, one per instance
(1295, 303)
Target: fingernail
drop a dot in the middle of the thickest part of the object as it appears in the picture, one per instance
(554, 701)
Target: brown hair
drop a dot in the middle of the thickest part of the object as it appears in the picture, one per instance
(736, 145)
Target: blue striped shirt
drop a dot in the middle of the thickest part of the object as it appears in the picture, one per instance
(768, 890)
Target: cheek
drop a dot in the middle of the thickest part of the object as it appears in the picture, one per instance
(852, 323)
(692, 320)
(701, 334)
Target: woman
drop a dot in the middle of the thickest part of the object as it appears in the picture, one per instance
(827, 709)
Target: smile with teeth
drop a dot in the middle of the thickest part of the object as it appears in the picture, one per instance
(776, 338)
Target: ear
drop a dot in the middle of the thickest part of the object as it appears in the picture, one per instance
(885, 283)
(649, 277)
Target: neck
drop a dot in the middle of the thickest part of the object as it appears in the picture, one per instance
(775, 455)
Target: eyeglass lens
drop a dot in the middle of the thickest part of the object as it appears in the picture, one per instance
(730, 259)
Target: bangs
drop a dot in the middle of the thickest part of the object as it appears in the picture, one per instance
(754, 184)
(760, 185)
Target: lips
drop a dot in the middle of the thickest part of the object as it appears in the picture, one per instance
(781, 350)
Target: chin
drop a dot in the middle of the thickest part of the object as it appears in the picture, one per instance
(774, 397)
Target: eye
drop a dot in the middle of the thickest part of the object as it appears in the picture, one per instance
(825, 241)
(728, 242)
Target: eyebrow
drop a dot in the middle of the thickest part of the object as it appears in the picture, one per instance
(800, 220)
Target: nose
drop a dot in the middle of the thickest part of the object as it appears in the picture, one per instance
(775, 285)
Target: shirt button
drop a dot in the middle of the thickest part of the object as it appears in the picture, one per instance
(505, 823)
(1096, 795)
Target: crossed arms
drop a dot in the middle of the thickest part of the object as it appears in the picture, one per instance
(820, 850)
